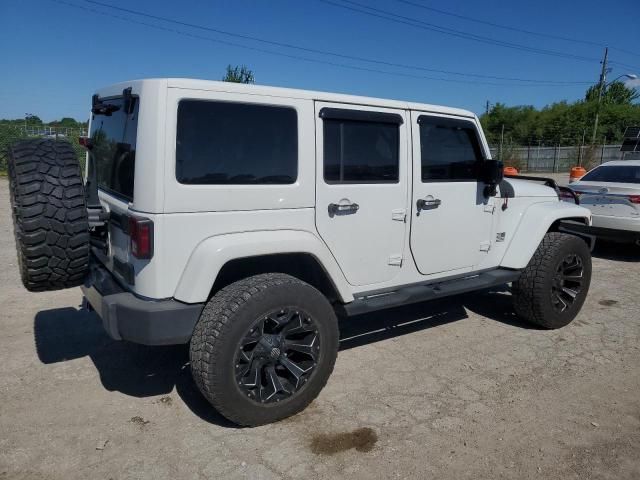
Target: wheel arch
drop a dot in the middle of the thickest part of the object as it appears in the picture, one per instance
(223, 259)
(538, 219)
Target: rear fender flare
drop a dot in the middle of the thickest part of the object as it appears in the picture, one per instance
(213, 253)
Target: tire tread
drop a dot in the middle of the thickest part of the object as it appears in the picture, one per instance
(49, 212)
(212, 330)
(530, 291)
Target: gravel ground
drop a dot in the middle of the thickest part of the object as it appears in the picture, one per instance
(453, 389)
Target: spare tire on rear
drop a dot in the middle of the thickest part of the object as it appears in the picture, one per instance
(49, 214)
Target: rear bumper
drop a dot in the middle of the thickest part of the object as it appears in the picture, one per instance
(610, 234)
(127, 317)
(623, 224)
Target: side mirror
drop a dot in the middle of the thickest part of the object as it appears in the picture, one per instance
(491, 174)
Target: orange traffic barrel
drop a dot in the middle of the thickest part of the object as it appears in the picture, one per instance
(576, 173)
(510, 171)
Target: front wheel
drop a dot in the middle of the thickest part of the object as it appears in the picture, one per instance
(263, 348)
(553, 287)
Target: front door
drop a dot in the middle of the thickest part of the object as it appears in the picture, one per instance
(361, 194)
(451, 218)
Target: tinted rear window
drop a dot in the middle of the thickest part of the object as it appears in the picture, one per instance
(114, 148)
(361, 151)
(236, 143)
(617, 173)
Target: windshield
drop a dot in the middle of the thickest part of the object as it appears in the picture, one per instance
(113, 140)
(614, 173)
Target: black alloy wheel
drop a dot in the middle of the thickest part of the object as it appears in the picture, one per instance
(278, 355)
(567, 282)
(264, 347)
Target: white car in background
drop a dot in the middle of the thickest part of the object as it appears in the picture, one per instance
(612, 192)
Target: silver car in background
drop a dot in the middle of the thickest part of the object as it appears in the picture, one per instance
(612, 192)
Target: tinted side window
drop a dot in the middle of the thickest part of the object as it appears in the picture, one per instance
(449, 149)
(235, 143)
(361, 151)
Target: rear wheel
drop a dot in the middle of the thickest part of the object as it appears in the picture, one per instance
(263, 348)
(553, 287)
(49, 214)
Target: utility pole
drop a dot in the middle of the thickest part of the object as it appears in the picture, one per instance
(501, 141)
(584, 133)
(601, 86)
(486, 110)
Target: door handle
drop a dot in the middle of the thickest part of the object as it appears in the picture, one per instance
(342, 208)
(428, 203)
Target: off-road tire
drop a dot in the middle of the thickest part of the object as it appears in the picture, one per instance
(49, 214)
(228, 315)
(532, 292)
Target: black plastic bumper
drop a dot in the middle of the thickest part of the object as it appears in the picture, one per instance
(609, 234)
(127, 317)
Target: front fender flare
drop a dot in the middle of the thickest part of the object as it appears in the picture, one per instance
(535, 223)
(213, 253)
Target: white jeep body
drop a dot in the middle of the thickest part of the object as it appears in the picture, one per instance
(384, 245)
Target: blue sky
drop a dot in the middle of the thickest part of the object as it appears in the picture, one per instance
(56, 55)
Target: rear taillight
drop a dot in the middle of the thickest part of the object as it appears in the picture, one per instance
(141, 237)
(567, 195)
(634, 198)
(85, 142)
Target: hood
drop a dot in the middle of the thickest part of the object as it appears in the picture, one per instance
(512, 187)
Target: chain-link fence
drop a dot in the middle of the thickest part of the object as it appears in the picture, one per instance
(558, 159)
(10, 133)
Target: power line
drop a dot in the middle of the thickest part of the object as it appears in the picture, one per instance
(634, 68)
(386, 15)
(529, 82)
(325, 52)
(513, 29)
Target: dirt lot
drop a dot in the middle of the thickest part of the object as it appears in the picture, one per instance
(454, 389)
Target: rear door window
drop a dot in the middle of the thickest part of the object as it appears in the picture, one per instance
(113, 139)
(222, 143)
(361, 151)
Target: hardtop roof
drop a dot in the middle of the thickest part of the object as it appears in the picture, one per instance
(211, 85)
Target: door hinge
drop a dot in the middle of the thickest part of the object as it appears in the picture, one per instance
(396, 260)
(399, 215)
(485, 246)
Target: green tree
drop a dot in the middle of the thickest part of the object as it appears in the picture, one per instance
(238, 75)
(67, 122)
(616, 93)
(564, 123)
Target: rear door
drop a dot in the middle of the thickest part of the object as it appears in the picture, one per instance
(361, 193)
(451, 220)
(113, 135)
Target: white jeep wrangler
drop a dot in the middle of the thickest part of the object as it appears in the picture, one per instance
(240, 219)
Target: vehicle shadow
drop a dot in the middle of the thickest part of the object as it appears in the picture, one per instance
(621, 252)
(65, 334)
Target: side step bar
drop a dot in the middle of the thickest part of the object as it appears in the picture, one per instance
(431, 291)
